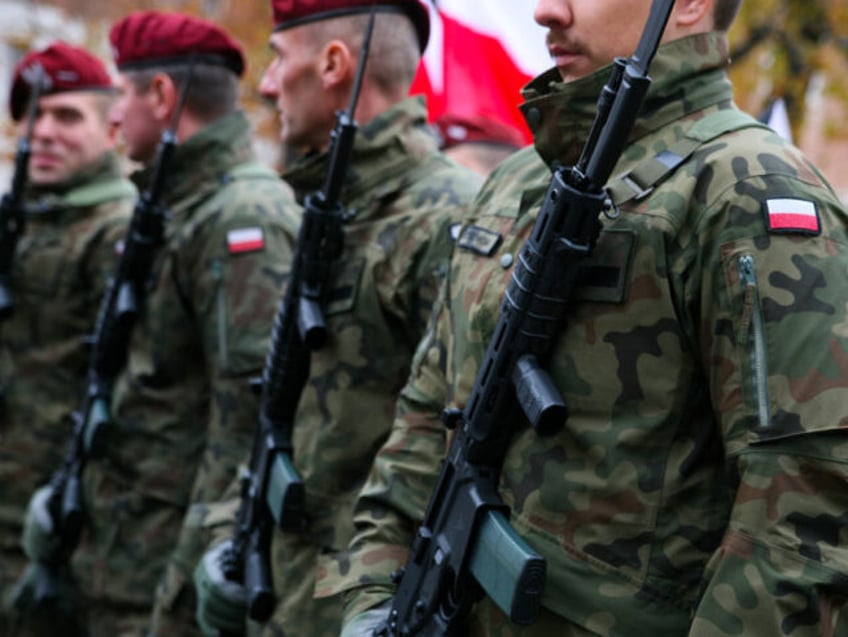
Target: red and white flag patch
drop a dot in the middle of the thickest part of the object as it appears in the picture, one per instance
(792, 216)
(244, 240)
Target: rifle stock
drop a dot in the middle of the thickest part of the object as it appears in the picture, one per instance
(272, 490)
(465, 546)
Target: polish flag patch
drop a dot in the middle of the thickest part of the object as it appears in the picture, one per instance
(245, 240)
(792, 216)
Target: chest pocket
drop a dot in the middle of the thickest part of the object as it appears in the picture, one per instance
(344, 286)
(606, 276)
(41, 264)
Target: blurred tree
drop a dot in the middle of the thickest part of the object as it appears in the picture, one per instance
(780, 46)
(248, 22)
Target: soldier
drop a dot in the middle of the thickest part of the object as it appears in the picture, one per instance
(480, 143)
(183, 407)
(76, 209)
(699, 485)
(405, 197)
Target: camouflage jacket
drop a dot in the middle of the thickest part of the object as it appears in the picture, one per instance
(62, 263)
(183, 406)
(699, 483)
(405, 197)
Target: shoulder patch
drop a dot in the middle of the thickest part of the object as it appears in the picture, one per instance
(480, 240)
(792, 216)
(243, 240)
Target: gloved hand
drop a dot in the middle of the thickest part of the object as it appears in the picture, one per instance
(365, 623)
(221, 604)
(40, 541)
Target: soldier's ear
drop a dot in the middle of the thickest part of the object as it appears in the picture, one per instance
(162, 97)
(113, 130)
(336, 65)
(696, 15)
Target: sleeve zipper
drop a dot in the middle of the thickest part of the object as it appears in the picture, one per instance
(756, 343)
(221, 302)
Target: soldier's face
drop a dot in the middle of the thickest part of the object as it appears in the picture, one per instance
(70, 133)
(133, 113)
(293, 82)
(584, 35)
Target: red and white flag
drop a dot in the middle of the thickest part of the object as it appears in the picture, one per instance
(480, 55)
(243, 240)
(792, 215)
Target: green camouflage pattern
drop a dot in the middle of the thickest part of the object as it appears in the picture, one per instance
(406, 197)
(183, 407)
(62, 264)
(699, 484)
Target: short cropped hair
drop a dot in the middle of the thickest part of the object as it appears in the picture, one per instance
(213, 91)
(103, 102)
(724, 13)
(394, 53)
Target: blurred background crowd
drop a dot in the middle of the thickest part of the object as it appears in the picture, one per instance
(790, 66)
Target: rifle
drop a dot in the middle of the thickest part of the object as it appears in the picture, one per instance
(12, 210)
(119, 309)
(272, 492)
(465, 545)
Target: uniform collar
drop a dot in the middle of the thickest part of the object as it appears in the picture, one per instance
(201, 163)
(68, 195)
(382, 147)
(689, 75)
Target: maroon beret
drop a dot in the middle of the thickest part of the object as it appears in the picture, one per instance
(151, 39)
(291, 13)
(454, 129)
(66, 68)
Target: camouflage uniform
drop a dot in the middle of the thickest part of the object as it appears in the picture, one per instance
(62, 264)
(183, 407)
(699, 484)
(405, 196)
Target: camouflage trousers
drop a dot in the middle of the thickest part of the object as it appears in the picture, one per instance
(298, 613)
(115, 619)
(12, 563)
(111, 619)
(18, 621)
(489, 621)
(175, 606)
